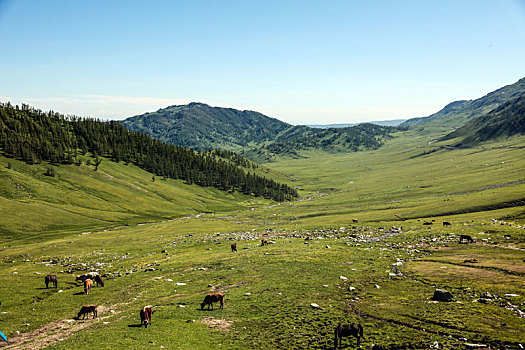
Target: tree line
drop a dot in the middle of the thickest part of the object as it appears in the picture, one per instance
(34, 136)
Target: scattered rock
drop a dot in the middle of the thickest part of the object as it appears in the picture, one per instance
(180, 284)
(164, 251)
(327, 246)
(377, 286)
(475, 346)
(149, 269)
(325, 285)
(442, 295)
(181, 306)
(315, 306)
(343, 278)
(487, 295)
(190, 321)
(210, 285)
(248, 294)
(169, 280)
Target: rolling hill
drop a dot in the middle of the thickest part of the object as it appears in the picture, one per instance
(457, 113)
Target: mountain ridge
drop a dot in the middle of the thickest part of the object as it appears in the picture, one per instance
(457, 113)
(200, 126)
(504, 121)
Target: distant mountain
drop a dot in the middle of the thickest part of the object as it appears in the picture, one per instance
(201, 127)
(505, 120)
(394, 122)
(457, 113)
(259, 137)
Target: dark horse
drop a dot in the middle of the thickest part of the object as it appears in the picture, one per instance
(98, 280)
(234, 247)
(466, 238)
(346, 330)
(51, 278)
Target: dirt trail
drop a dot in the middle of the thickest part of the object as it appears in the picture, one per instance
(55, 331)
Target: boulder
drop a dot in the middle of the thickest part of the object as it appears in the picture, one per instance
(442, 295)
(315, 306)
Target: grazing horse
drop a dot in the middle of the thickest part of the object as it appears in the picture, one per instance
(98, 280)
(90, 275)
(213, 298)
(346, 330)
(87, 286)
(51, 278)
(355, 221)
(446, 223)
(465, 238)
(234, 247)
(146, 314)
(86, 309)
(264, 241)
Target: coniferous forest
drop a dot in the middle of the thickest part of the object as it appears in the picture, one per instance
(34, 136)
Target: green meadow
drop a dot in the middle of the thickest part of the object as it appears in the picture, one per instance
(167, 244)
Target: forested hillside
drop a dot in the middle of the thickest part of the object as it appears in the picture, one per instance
(352, 139)
(457, 113)
(505, 120)
(33, 136)
(257, 136)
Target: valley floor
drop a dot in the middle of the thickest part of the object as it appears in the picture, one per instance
(289, 294)
(366, 244)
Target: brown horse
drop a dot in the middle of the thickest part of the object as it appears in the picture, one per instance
(53, 279)
(87, 286)
(234, 247)
(264, 241)
(213, 298)
(86, 309)
(146, 314)
(346, 330)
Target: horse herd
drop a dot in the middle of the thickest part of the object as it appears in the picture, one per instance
(146, 312)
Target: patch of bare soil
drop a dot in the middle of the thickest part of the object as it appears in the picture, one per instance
(53, 332)
(216, 323)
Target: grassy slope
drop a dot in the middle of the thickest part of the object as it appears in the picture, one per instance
(286, 277)
(80, 199)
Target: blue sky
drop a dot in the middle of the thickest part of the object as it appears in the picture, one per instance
(303, 62)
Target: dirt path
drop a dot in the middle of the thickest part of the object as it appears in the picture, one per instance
(55, 331)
